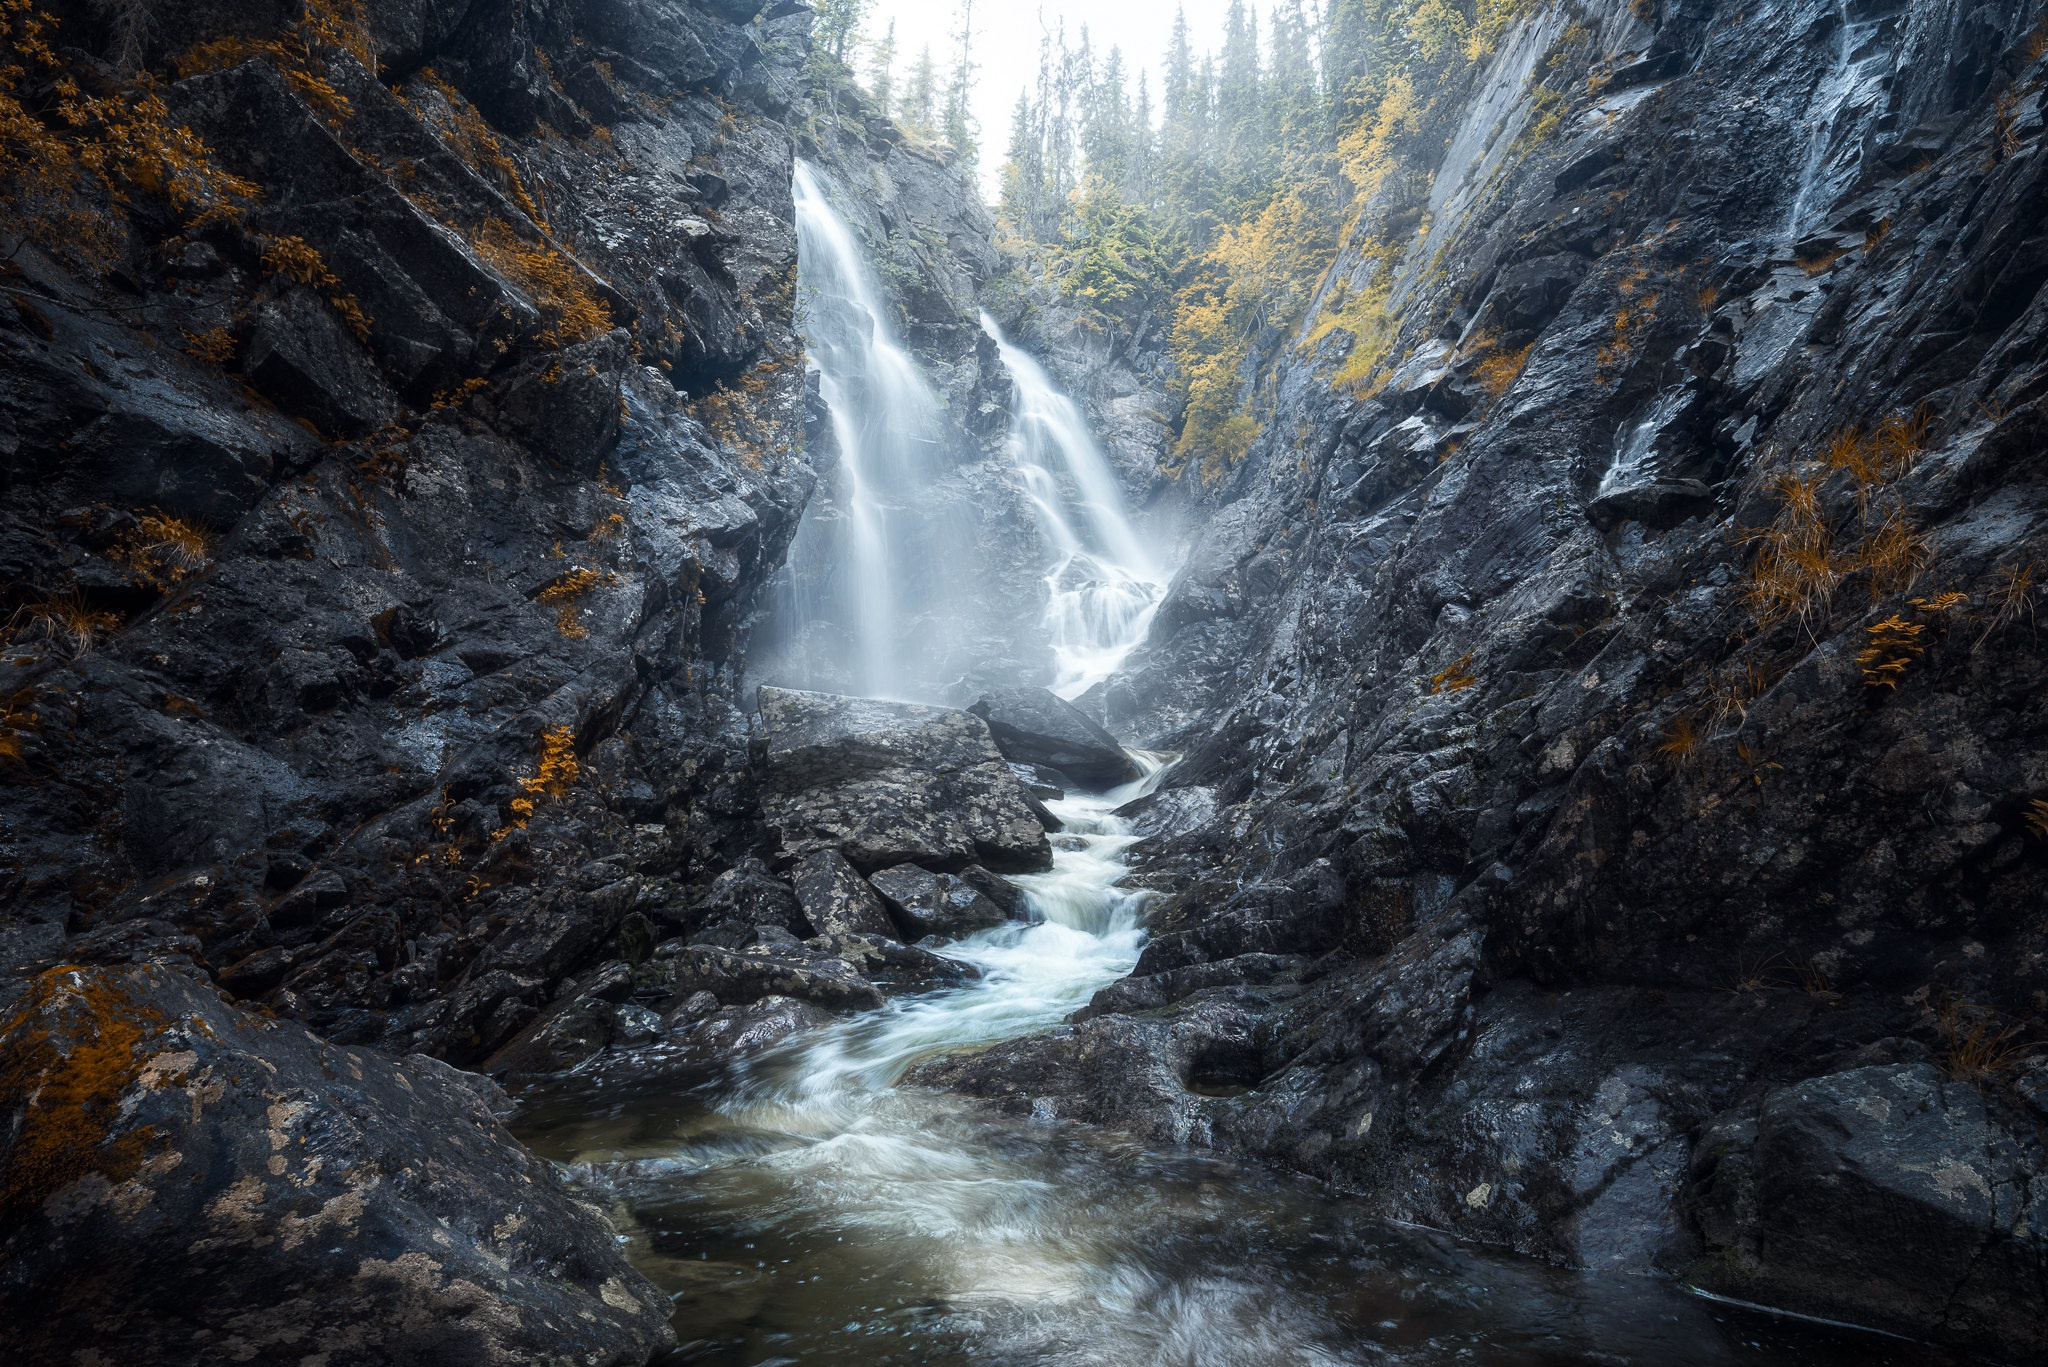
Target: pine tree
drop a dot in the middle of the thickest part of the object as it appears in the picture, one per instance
(882, 69)
(958, 127)
(920, 96)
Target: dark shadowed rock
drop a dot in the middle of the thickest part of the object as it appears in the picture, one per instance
(892, 965)
(888, 783)
(944, 905)
(1659, 504)
(302, 356)
(1883, 1195)
(836, 899)
(1037, 726)
(186, 1183)
(738, 976)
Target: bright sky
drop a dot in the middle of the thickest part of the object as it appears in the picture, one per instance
(1006, 36)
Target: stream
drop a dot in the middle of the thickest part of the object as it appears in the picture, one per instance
(805, 1206)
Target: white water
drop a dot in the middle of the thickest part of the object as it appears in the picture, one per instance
(861, 558)
(1850, 95)
(1103, 583)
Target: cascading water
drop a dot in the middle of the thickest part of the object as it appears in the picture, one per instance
(865, 566)
(1103, 584)
(805, 1208)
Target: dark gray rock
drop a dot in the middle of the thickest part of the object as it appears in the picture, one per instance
(835, 899)
(1883, 1195)
(944, 906)
(894, 966)
(737, 977)
(302, 356)
(186, 1183)
(1037, 726)
(886, 783)
(1661, 504)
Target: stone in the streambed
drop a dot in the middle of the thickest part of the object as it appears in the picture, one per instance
(1886, 1195)
(789, 969)
(999, 890)
(744, 897)
(942, 905)
(894, 966)
(1047, 785)
(835, 899)
(888, 783)
(1037, 726)
(187, 1183)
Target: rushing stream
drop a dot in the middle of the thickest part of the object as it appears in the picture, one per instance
(805, 1206)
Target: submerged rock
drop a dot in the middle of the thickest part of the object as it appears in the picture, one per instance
(186, 1183)
(1037, 726)
(736, 977)
(889, 783)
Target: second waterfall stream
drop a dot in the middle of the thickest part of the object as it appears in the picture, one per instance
(804, 1206)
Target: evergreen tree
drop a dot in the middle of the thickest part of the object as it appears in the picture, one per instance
(958, 125)
(920, 96)
(834, 30)
(882, 70)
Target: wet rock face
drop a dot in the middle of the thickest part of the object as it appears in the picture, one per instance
(1036, 726)
(408, 547)
(187, 1183)
(943, 906)
(890, 783)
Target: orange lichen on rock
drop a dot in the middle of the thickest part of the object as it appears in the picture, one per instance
(69, 1055)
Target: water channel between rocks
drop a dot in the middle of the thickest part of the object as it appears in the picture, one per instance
(804, 1208)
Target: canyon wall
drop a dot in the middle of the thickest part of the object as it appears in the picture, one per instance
(1610, 688)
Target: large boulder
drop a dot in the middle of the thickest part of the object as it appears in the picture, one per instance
(890, 783)
(186, 1183)
(1885, 1195)
(1037, 726)
(945, 905)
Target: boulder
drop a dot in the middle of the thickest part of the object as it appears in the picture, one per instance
(1036, 726)
(187, 1183)
(889, 783)
(1884, 1195)
(836, 899)
(944, 905)
(739, 976)
(892, 965)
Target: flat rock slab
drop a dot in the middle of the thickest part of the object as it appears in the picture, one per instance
(187, 1183)
(1037, 726)
(890, 783)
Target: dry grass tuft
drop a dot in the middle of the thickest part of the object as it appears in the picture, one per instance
(1683, 740)
(64, 626)
(2010, 598)
(1984, 1047)
(17, 722)
(163, 549)
(1494, 367)
(1815, 265)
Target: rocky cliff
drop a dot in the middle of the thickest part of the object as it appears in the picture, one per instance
(400, 414)
(1614, 819)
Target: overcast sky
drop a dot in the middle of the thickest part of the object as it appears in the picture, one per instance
(1006, 35)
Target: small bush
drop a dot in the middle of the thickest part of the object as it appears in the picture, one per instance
(294, 258)
(163, 550)
(1894, 645)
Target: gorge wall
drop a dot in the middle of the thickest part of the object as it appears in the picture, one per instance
(1609, 684)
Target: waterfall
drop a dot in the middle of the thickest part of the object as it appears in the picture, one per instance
(862, 562)
(1103, 584)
